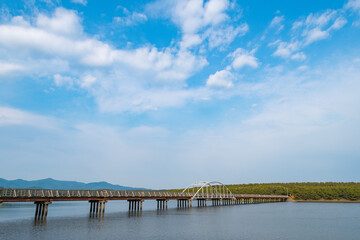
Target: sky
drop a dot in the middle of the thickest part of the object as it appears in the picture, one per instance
(163, 93)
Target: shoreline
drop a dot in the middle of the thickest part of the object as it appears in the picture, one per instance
(325, 201)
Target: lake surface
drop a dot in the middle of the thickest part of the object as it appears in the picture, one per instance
(70, 220)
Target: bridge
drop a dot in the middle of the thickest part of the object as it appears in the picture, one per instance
(201, 192)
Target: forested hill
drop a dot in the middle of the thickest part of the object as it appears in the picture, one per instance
(50, 183)
(303, 191)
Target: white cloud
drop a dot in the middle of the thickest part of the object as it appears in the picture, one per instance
(87, 81)
(192, 15)
(63, 80)
(277, 22)
(120, 98)
(19, 20)
(354, 5)
(297, 24)
(285, 49)
(190, 40)
(224, 35)
(320, 20)
(83, 2)
(30, 39)
(132, 75)
(200, 20)
(131, 19)
(316, 26)
(315, 34)
(64, 22)
(7, 68)
(313, 28)
(338, 24)
(53, 39)
(221, 78)
(299, 56)
(242, 58)
(12, 116)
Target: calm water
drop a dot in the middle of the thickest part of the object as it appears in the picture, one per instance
(263, 221)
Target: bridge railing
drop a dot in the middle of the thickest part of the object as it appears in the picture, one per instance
(36, 193)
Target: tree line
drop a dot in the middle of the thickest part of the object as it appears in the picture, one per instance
(303, 191)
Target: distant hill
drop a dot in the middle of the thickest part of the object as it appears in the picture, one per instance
(50, 183)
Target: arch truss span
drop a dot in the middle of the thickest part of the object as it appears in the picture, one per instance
(209, 190)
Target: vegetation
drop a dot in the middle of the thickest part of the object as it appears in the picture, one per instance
(302, 191)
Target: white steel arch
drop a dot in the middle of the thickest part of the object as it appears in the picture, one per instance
(212, 189)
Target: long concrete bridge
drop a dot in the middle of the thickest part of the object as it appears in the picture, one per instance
(202, 192)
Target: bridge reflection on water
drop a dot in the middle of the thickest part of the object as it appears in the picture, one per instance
(201, 193)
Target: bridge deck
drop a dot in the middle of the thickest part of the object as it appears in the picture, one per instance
(32, 195)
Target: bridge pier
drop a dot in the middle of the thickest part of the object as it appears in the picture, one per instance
(180, 203)
(184, 203)
(162, 203)
(97, 207)
(202, 203)
(215, 202)
(135, 205)
(41, 210)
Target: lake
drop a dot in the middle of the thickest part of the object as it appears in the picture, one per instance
(70, 220)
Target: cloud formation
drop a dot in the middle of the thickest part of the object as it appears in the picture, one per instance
(83, 2)
(305, 31)
(200, 20)
(221, 78)
(130, 18)
(132, 75)
(242, 58)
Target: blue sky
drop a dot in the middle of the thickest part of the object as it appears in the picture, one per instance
(164, 93)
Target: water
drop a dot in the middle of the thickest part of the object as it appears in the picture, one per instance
(70, 220)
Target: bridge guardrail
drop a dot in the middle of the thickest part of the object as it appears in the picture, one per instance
(45, 193)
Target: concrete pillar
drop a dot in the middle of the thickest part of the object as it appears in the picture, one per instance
(41, 209)
(46, 209)
(37, 210)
